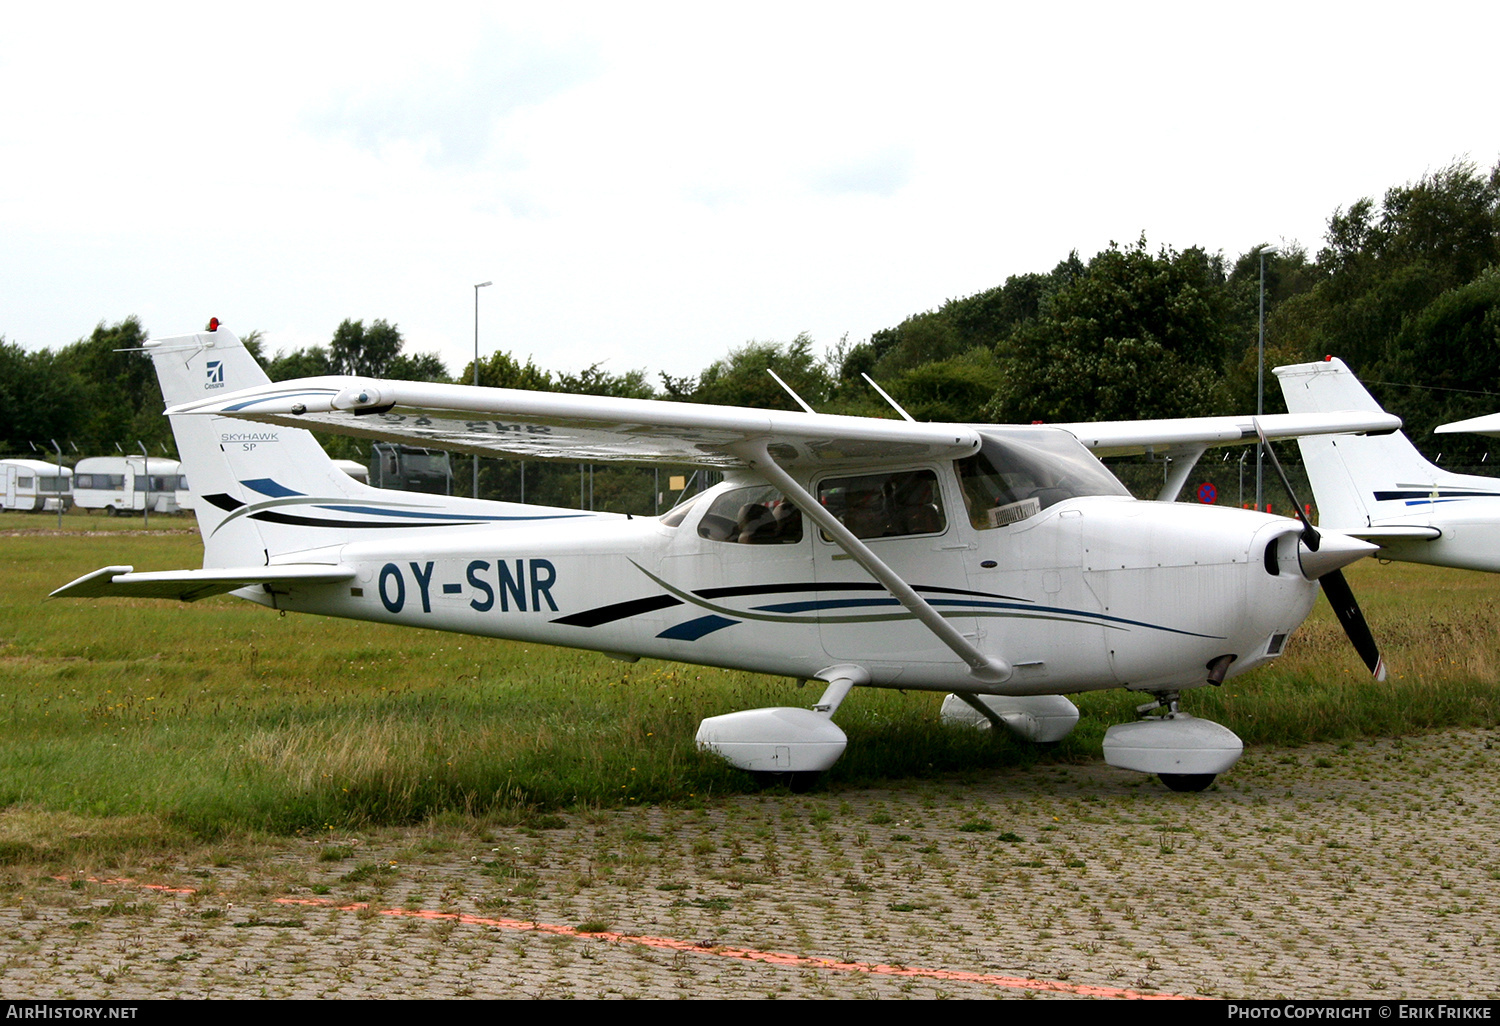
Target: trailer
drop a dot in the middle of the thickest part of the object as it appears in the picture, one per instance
(410, 468)
(33, 485)
(121, 485)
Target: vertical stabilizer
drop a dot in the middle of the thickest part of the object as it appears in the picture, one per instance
(264, 491)
(230, 464)
(1352, 475)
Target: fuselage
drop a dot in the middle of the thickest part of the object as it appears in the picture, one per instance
(1089, 592)
(1468, 527)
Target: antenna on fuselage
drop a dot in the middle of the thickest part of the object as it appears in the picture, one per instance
(795, 397)
(887, 397)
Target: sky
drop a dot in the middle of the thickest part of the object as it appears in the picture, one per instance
(651, 185)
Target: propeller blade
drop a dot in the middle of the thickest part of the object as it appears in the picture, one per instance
(1310, 536)
(1340, 595)
(1347, 610)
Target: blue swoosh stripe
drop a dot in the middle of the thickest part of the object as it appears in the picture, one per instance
(692, 630)
(269, 398)
(266, 486)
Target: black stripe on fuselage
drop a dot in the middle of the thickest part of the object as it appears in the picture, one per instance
(228, 503)
(287, 518)
(775, 589)
(1431, 493)
(621, 610)
(618, 611)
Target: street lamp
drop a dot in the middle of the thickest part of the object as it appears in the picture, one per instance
(481, 285)
(1260, 373)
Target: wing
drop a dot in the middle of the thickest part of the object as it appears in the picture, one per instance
(582, 428)
(596, 429)
(1130, 437)
(191, 585)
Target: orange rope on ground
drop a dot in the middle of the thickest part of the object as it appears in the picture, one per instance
(720, 951)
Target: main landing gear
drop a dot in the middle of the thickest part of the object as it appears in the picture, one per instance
(1185, 752)
(782, 744)
(1041, 719)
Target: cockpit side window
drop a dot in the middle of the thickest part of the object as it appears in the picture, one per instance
(759, 515)
(1023, 472)
(885, 505)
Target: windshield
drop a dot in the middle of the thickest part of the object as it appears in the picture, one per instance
(1025, 470)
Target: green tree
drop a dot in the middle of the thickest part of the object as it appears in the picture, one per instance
(953, 391)
(1137, 334)
(124, 403)
(367, 352)
(40, 399)
(740, 379)
(417, 367)
(595, 380)
(501, 370)
(311, 362)
(1382, 267)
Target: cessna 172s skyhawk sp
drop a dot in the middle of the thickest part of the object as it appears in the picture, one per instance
(1003, 564)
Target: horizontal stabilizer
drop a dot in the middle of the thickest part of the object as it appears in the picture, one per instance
(191, 585)
(1385, 534)
(1486, 425)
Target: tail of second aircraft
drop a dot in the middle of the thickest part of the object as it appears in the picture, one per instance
(1361, 480)
(263, 491)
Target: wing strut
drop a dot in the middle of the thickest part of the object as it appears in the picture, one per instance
(1183, 462)
(987, 669)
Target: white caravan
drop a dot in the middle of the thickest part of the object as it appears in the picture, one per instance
(182, 492)
(118, 484)
(31, 485)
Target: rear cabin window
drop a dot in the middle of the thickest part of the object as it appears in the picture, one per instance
(759, 515)
(674, 516)
(885, 505)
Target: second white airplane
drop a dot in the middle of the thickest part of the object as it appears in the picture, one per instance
(1381, 489)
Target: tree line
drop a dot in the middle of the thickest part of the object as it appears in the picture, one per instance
(1406, 290)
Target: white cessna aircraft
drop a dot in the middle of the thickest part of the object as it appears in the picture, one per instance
(1003, 564)
(1383, 490)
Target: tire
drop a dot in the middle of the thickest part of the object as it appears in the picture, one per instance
(797, 783)
(1187, 782)
(110, 511)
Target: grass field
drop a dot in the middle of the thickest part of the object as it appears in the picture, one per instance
(222, 716)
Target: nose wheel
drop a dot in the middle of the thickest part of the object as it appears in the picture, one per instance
(1186, 753)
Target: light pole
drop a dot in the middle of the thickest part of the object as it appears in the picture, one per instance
(481, 285)
(1260, 374)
